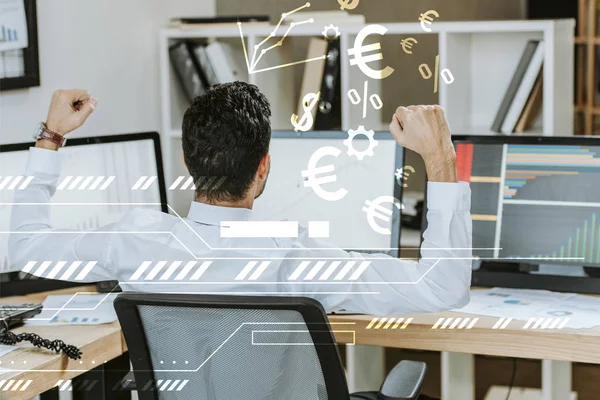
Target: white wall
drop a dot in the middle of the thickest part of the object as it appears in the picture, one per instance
(109, 47)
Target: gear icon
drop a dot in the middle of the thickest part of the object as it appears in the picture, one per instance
(372, 143)
(327, 30)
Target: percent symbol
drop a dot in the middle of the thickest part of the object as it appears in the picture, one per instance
(375, 100)
(446, 74)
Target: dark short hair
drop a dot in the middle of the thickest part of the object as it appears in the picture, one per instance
(225, 134)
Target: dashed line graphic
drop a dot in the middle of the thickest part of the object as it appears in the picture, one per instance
(183, 268)
(502, 323)
(11, 183)
(256, 273)
(204, 183)
(455, 323)
(546, 323)
(144, 183)
(168, 385)
(85, 183)
(85, 385)
(329, 271)
(378, 323)
(13, 385)
(44, 270)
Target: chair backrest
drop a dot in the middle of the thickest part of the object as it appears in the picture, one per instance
(188, 346)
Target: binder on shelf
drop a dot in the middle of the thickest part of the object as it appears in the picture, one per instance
(226, 66)
(525, 88)
(205, 65)
(187, 69)
(329, 112)
(514, 85)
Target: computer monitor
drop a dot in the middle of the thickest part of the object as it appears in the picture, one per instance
(102, 178)
(535, 208)
(287, 195)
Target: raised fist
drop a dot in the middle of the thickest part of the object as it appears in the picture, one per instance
(69, 109)
(424, 130)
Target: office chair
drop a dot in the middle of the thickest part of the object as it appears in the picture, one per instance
(241, 347)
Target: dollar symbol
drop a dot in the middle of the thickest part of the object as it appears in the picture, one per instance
(308, 103)
(348, 4)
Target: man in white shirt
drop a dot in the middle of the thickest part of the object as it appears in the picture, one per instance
(226, 133)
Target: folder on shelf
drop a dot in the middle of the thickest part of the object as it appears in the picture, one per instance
(514, 85)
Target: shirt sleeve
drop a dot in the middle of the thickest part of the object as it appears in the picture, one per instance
(36, 247)
(382, 285)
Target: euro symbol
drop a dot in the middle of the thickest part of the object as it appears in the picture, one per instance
(359, 49)
(407, 44)
(427, 19)
(311, 179)
(374, 210)
(348, 4)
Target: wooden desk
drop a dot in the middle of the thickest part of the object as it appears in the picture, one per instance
(99, 344)
(556, 347)
(102, 343)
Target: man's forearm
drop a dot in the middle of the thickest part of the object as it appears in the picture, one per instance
(441, 167)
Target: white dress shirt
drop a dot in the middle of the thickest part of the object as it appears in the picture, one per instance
(151, 251)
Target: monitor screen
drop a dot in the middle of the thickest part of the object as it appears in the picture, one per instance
(536, 201)
(287, 195)
(102, 179)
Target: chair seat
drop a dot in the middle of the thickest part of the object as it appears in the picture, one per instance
(364, 396)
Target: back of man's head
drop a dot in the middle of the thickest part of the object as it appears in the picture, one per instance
(226, 133)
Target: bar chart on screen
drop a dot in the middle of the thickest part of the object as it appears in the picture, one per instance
(534, 201)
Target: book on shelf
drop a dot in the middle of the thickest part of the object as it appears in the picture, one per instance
(514, 85)
(224, 21)
(533, 107)
(523, 92)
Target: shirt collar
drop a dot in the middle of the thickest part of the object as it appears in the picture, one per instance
(214, 215)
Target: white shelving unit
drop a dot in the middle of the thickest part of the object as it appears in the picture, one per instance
(481, 55)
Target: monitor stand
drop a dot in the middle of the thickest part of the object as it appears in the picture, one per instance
(519, 276)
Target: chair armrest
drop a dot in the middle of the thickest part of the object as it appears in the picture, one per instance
(404, 382)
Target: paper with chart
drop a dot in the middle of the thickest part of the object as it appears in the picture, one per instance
(79, 309)
(522, 304)
(13, 25)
